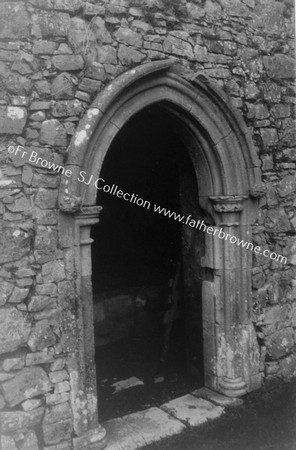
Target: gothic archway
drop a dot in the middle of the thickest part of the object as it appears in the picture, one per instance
(228, 178)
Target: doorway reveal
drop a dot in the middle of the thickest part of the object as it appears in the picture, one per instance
(227, 170)
(146, 268)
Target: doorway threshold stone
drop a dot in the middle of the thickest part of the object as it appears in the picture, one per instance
(137, 430)
(142, 428)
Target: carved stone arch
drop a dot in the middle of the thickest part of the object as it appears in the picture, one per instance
(228, 178)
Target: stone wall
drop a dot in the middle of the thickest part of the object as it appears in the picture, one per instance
(55, 56)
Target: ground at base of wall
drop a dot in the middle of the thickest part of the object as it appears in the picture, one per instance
(265, 421)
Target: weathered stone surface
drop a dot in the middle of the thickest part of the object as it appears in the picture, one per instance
(280, 344)
(58, 376)
(106, 54)
(46, 289)
(279, 66)
(275, 318)
(63, 386)
(288, 368)
(40, 302)
(41, 336)
(53, 271)
(62, 87)
(30, 442)
(20, 204)
(269, 136)
(100, 31)
(44, 357)
(89, 85)
(78, 30)
(7, 443)
(53, 133)
(57, 432)
(68, 62)
(16, 420)
(5, 291)
(44, 47)
(13, 119)
(257, 111)
(15, 363)
(34, 106)
(177, 46)
(29, 405)
(14, 20)
(56, 413)
(28, 383)
(287, 185)
(124, 433)
(14, 329)
(43, 88)
(46, 198)
(53, 24)
(55, 399)
(129, 37)
(38, 116)
(96, 71)
(66, 108)
(128, 55)
(192, 410)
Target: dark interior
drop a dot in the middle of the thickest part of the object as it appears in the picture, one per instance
(135, 255)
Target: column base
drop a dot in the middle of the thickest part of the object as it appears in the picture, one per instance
(94, 439)
(232, 387)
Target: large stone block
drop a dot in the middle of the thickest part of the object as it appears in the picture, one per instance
(129, 56)
(100, 31)
(62, 87)
(52, 24)
(17, 420)
(5, 291)
(68, 62)
(129, 37)
(7, 443)
(53, 271)
(53, 133)
(13, 119)
(65, 108)
(30, 442)
(56, 413)
(46, 238)
(41, 336)
(57, 432)
(14, 329)
(28, 383)
(44, 47)
(279, 66)
(280, 344)
(288, 368)
(14, 20)
(178, 47)
(46, 198)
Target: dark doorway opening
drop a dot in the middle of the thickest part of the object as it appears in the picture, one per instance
(146, 271)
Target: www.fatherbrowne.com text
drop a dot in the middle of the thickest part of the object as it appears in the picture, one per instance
(113, 189)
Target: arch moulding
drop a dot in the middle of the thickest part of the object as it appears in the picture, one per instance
(228, 178)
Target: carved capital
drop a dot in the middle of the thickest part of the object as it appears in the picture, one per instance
(69, 203)
(228, 203)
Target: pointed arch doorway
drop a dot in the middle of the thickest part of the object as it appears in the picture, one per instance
(227, 172)
(146, 267)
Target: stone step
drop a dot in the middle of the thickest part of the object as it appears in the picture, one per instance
(142, 428)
